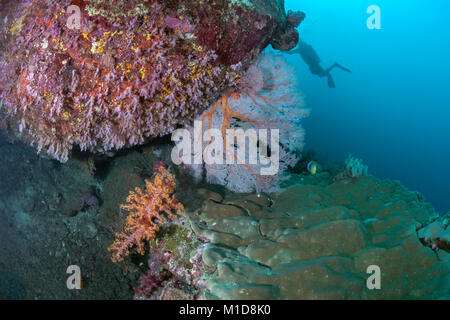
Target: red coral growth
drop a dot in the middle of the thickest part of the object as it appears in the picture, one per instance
(234, 37)
(145, 214)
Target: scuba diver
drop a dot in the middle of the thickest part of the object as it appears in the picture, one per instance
(310, 56)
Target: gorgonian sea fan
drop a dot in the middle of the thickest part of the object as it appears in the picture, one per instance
(266, 98)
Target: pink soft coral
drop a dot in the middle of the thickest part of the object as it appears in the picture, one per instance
(146, 210)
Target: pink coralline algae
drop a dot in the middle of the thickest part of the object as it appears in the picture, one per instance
(132, 71)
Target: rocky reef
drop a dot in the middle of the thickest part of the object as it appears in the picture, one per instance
(125, 71)
(313, 240)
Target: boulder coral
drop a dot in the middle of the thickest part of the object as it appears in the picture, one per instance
(316, 240)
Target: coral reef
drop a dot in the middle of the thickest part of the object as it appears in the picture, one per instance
(315, 240)
(146, 211)
(134, 70)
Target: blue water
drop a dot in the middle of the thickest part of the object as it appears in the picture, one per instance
(393, 110)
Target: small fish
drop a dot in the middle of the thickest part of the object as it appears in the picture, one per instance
(312, 167)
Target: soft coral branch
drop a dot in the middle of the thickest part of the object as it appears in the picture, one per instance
(146, 211)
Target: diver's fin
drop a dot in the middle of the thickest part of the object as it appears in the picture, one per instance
(331, 83)
(341, 67)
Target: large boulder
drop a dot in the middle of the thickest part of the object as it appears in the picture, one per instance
(125, 71)
(316, 240)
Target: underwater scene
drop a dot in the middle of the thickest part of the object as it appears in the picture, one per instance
(224, 150)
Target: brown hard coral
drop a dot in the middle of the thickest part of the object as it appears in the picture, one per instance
(316, 241)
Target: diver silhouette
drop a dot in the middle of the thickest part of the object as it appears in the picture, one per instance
(312, 59)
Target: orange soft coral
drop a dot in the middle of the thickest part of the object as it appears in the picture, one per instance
(145, 209)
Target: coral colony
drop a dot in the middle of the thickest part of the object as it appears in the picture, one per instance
(146, 210)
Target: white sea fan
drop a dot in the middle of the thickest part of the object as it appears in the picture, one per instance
(267, 99)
